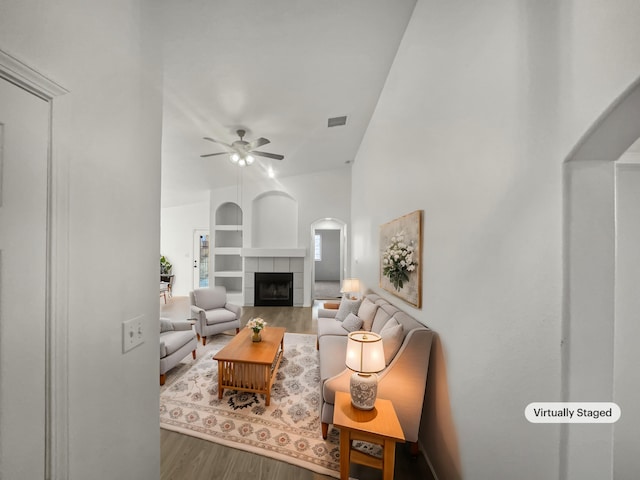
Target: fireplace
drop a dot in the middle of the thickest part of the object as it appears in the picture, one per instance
(273, 289)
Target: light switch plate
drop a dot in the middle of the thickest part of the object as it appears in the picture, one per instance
(132, 333)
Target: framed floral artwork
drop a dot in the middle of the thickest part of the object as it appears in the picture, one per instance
(401, 257)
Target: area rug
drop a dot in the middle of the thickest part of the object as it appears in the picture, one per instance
(288, 429)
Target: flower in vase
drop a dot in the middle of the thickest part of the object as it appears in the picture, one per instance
(256, 324)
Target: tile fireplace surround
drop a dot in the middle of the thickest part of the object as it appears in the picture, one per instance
(273, 260)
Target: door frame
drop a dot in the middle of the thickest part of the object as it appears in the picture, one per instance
(56, 399)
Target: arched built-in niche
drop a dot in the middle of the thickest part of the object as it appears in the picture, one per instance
(227, 259)
(274, 220)
(589, 338)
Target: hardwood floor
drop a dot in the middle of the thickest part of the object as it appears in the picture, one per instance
(188, 458)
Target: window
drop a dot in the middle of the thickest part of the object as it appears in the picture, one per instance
(317, 255)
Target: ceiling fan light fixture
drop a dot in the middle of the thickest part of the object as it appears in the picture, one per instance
(249, 159)
(235, 158)
(242, 162)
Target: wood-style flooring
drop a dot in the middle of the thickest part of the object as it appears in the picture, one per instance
(188, 458)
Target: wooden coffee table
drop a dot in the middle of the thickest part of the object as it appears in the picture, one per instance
(250, 366)
(379, 426)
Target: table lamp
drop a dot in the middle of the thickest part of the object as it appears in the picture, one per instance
(365, 356)
(349, 286)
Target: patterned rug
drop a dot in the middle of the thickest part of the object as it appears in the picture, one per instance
(288, 430)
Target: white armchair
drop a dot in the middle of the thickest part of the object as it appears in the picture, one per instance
(176, 341)
(212, 313)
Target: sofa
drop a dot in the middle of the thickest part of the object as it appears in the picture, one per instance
(407, 350)
(177, 339)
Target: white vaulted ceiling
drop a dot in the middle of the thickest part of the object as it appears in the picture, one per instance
(278, 69)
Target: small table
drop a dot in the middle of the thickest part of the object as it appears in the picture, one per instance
(250, 366)
(379, 426)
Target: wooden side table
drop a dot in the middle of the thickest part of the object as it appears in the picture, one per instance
(379, 426)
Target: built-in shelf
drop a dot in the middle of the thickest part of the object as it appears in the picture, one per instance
(229, 227)
(228, 273)
(228, 250)
(227, 247)
(273, 252)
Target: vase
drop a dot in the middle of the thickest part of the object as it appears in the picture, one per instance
(256, 337)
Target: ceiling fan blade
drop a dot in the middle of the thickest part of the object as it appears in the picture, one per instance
(258, 142)
(217, 141)
(214, 154)
(268, 155)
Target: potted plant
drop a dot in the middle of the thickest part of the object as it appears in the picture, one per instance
(165, 266)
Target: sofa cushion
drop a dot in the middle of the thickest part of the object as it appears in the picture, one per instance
(333, 353)
(392, 337)
(171, 342)
(346, 307)
(219, 315)
(352, 323)
(209, 298)
(367, 312)
(329, 326)
(166, 325)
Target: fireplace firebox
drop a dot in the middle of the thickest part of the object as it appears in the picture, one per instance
(273, 289)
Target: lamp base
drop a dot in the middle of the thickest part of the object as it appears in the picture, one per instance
(364, 390)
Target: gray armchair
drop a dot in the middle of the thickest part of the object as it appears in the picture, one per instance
(212, 313)
(176, 341)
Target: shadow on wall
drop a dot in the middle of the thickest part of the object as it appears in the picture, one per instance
(437, 430)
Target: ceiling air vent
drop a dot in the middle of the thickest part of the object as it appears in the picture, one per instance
(337, 121)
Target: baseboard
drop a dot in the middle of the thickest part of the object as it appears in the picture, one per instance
(429, 464)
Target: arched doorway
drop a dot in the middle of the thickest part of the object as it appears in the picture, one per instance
(329, 258)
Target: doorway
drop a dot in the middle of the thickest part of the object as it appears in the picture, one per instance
(200, 259)
(600, 225)
(328, 265)
(32, 408)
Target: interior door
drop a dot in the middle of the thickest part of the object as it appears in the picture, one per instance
(24, 138)
(200, 258)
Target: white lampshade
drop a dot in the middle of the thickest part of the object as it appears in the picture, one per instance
(249, 159)
(350, 285)
(235, 158)
(364, 352)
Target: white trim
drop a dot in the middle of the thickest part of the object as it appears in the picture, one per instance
(56, 315)
(24, 76)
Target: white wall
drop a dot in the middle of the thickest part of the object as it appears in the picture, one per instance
(106, 157)
(177, 228)
(482, 105)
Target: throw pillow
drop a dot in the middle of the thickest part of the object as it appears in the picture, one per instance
(392, 336)
(367, 312)
(346, 307)
(352, 323)
(165, 325)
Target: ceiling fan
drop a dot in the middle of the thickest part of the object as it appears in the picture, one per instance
(242, 152)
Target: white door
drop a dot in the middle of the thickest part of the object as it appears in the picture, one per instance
(24, 137)
(200, 258)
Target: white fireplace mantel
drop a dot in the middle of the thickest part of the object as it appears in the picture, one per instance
(273, 252)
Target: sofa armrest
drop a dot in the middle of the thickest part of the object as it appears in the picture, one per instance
(181, 325)
(163, 349)
(337, 383)
(237, 309)
(326, 313)
(197, 313)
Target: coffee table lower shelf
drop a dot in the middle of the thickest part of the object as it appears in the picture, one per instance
(247, 377)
